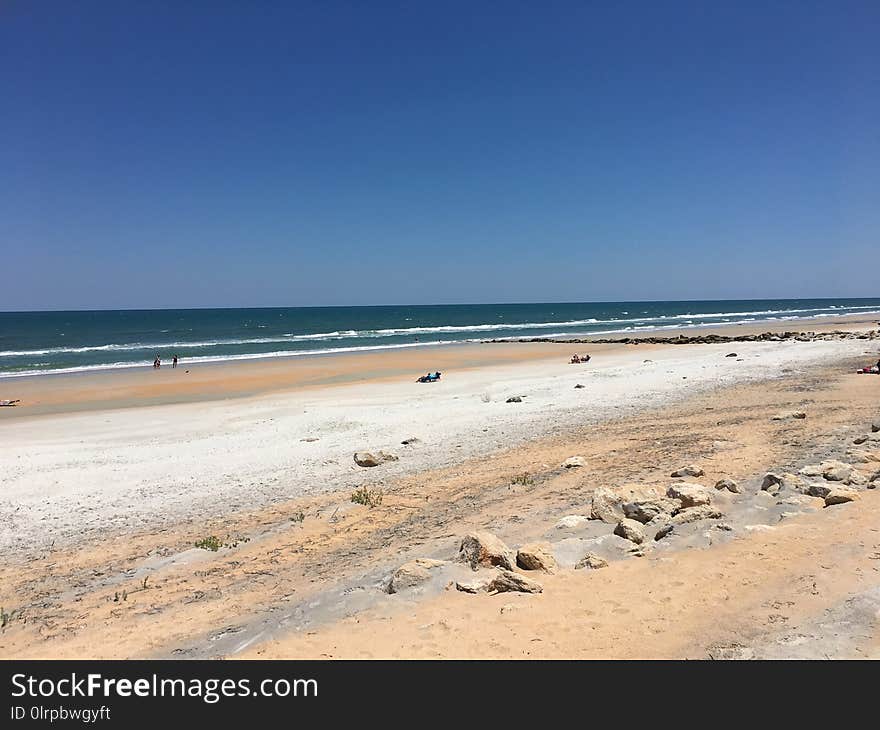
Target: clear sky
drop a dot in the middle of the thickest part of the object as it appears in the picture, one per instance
(175, 154)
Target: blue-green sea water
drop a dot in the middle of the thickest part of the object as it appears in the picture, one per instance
(34, 343)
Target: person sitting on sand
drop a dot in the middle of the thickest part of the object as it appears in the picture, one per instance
(575, 359)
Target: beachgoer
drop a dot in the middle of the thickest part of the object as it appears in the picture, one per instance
(574, 359)
(174, 361)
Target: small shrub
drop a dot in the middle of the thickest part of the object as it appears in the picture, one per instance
(209, 543)
(298, 517)
(523, 479)
(367, 497)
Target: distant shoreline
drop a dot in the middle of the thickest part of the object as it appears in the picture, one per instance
(186, 362)
(111, 389)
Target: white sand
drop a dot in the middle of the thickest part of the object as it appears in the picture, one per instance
(68, 477)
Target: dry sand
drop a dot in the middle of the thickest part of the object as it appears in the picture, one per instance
(100, 510)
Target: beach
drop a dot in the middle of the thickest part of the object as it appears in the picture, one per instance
(111, 478)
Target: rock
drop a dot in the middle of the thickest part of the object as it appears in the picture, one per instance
(573, 462)
(689, 471)
(817, 490)
(483, 548)
(514, 399)
(875, 427)
(728, 484)
(646, 510)
(690, 495)
(591, 561)
(836, 471)
(861, 456)
(309, 439)
(860, 440)
(368, 458)
(571, 521)
(812, 470)
(630, 530)
(724, 527)
(840, 495)
(506, 581)
(413, 573)
(789, 415)
(772, 483)
(695, 514)
(410, 441)
(856, 479)
(473, 586)
(730, 354)
(607, 504)
(536, 556)
(579, 386)
(664, 531)
(806, 500)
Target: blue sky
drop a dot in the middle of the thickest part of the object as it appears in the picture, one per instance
(171, 154)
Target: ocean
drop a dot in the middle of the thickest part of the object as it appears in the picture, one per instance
(33, 343)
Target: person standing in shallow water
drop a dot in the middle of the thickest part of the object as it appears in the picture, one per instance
(174, 361)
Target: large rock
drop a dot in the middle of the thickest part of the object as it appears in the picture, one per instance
(792, 481)
(729, 484)
(817, 490)
(608, 502)
(573, 462)
(836, 471)
(862, 456)
(536, 556)
(772, 482)
(507, 580)
(369, 458)
(482, 548)
(803, 501)
(591, 561)
(875, 427)
(646, 510)
(630, 530)
(812, 470)
(840, 495)
(412, 574)
(689, 471)
(689, 494)
(695, 514)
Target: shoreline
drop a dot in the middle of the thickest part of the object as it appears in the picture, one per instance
(112, 389)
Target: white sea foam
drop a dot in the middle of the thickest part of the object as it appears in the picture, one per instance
(661, 322)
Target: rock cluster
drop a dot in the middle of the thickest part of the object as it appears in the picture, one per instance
(707, 339)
